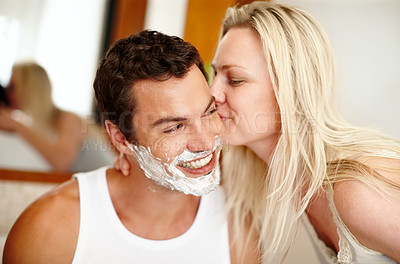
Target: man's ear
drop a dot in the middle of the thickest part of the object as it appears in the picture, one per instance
(117, 138)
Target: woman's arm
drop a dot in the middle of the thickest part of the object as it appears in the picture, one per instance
(60, 152)
(248, 251)
(371, 217)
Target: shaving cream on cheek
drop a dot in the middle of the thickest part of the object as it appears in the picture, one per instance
(169, 176)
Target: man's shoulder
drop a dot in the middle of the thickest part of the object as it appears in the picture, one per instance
(55, 202)
(47, 229)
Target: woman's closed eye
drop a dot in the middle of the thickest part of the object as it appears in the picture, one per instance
(236, 82)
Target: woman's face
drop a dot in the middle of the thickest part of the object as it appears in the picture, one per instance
(243, 90)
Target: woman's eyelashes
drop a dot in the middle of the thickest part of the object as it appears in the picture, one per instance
(235, 82)
(230, 79)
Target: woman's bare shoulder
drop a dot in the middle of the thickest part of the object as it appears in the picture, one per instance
(69, 118)
(370, 215)
(70, 115)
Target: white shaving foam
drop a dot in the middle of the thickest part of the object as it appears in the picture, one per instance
(169, 176)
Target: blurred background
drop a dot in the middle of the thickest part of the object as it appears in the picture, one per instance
(69, 37)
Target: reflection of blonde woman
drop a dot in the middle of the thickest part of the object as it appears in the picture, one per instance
(56, 134)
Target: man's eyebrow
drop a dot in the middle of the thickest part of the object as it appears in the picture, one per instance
(167, 120)
(179, 119)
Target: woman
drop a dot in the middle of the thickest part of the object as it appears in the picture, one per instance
(275, 70)
(291, 153)
(57, 135)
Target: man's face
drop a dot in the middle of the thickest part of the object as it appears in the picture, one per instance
(178, 115)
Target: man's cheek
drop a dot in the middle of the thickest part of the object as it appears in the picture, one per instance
(168, 150)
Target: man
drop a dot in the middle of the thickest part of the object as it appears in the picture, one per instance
(160, 114)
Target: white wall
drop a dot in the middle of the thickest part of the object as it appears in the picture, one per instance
(166, 16)
(365, 35)
(20, 25)
(64, 36)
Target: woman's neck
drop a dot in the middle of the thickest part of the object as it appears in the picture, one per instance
(264, 148)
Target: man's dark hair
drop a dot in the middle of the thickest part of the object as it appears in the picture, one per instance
(146, 55)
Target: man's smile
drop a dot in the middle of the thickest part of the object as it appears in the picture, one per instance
(200, 166)
(196, 164)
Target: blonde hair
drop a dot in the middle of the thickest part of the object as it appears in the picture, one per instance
(316, 148)
(32, 89)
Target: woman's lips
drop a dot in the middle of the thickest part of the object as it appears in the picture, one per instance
(223, 118)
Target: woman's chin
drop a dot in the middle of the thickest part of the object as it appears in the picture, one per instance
(233, 140)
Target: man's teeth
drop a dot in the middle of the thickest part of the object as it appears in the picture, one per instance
(198, 163)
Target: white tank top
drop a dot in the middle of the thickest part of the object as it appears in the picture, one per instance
(104, 239)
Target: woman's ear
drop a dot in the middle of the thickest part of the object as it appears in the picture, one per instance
(117, 138)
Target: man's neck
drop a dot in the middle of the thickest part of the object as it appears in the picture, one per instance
(148, 210)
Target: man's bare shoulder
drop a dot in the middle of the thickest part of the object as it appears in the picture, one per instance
(48, 229)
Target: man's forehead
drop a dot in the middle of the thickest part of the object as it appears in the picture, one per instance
(176, 110)
(160, 120)
(175, 97)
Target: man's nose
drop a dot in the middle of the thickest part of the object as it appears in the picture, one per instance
(201, 140)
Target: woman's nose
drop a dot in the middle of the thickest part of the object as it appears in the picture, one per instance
(218, 92)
